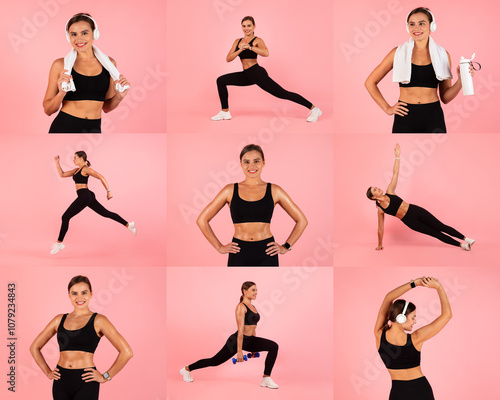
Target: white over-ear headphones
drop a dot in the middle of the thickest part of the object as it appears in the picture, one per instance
(401, 318)
(433, 25)
(96, 30)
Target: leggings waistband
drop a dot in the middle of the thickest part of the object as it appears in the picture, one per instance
(72, 370)
(256, 243)
(433, 104)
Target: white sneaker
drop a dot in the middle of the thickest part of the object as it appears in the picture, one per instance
(131, 228)
(268, 382)
(314, 114)
(465, 246)
(469, 241)
(56, 247)
(186, 375)
(221, 115)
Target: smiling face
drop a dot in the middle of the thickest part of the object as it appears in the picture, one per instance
(247, 27)
(80, 295)
(419, 26)
(251, 293)
(252, 164)
(81, 36)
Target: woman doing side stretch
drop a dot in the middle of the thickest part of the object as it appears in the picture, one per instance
(247, 318)
(251, 203)
(400, 351)
(414, 217)
(247, 48)
(85, 198)
(78, 333)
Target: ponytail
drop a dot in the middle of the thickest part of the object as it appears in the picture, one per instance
(83, 155)
(241, 298)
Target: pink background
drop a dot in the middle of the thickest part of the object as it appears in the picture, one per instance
(133, 299)
(132, 35)
(302, 165)
(454, 177)
(373, 29)
(199, 37)
(135, 169)
(296, 311)
(460, 362)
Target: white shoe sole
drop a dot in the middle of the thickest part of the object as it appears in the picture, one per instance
(220, 119)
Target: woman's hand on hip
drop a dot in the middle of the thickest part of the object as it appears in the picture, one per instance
(275, 248)
(54, 374)
(93, 375)
(398, 109)
(229, 248)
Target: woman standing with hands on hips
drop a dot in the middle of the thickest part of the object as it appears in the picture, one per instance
(413, 216)
(247, 49)
(251, 203)
(245, 338)
(420, 67)
(85, 198)
(78, 333)
(401, 351)
(93, 88)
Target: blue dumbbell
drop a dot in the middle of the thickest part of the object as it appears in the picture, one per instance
(234, 359)
(253, 355)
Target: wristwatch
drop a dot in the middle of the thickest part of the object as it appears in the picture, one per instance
(412, 284)
(287, 246)
(106, 376)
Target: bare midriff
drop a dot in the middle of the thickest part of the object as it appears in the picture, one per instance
(81, 186)
(248, 62)
(405, 374)
(418, 95)
(248, 330)
(252, 231)
(76, 359)
(86, 109)
(402, 210)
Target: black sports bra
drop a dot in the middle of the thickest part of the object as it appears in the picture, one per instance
(84, 339)
(89, 87)
(393, 207)
(246, 54)
(251, 318)
(422, 76)
(252, 211)
(79, 178)
(399, 357)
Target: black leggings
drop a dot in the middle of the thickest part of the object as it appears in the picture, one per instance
(253, 344)
(421, 118)
(252, 254)
(421, 220)
(71, 386)
(255, 75)
(65, 123)
(416, 389)
(85, 198)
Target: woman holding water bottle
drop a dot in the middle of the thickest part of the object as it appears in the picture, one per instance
(420, 66)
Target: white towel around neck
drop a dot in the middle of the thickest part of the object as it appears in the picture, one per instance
(402, 61)
(70, 59)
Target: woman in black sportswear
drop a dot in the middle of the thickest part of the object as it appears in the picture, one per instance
(251, 203)
(80, 111)
(78, 334)
(247, 318)
(248, 48)
(413, 216)
(418, 108)
(400, 352)
(85, 198)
